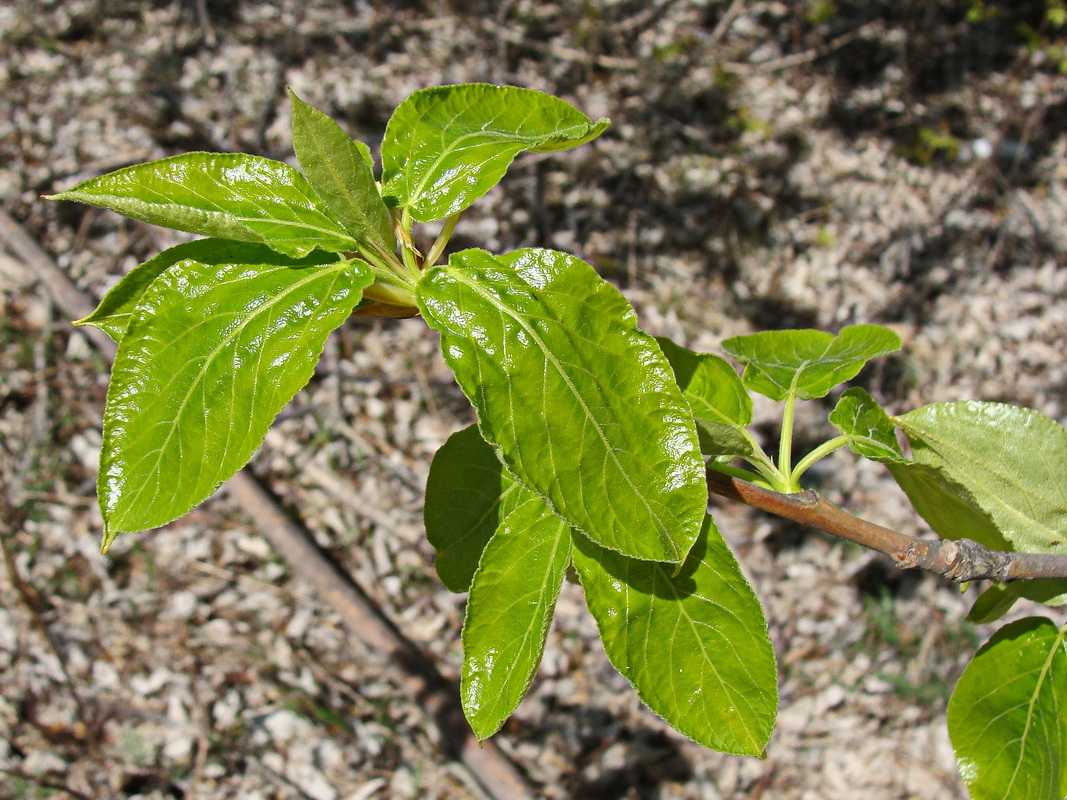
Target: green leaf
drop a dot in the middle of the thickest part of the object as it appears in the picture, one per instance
(1011, 461)
(949, 508)
(509, 610)
(468, 493)
(225, 195)
(445, 147)
(991, 605)
(212, 353)
(807, 363)
(113, 314)
(580, 405)
(867, 427)
(721, 405)
(337, 167)
(694, 645)
(1008, 715)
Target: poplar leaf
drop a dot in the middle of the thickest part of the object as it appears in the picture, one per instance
(722, 407)
(579, 404)
(336, 166)
(805, 363)
(1007, 717)
(224, 195)
(212, 353)
(1011, 461)
(445, 147)
(468, 493)
(112, 315)
(693, 644)
(509, 610)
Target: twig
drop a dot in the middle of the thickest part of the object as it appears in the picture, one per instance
(796, 59)
(489, 766)
(724, 24)
(959, 560)
(44, 783)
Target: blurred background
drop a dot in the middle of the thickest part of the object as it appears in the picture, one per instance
(815, 163)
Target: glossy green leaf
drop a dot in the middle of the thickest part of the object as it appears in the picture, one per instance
(337, 168)
(445, 147)
(694, 645)
(509, 610)
(113, 314)
(580, 405)
(869, 429)
(1008, 715)
(991, 605)
(1012, 461)
(225, 195)
(468, 493)
(211, 355)
(807, 363)
(721, 405)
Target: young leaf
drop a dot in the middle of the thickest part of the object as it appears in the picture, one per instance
(807, 363)
(694, 645)
(212, 353)
(1012, 461)
(225, 195)
(446, 147)
(509, 610)
(1007, 718)
(468, 493)
(721, 405)
(113, 314)
(580, 405)
(869, 429)
(336, 166)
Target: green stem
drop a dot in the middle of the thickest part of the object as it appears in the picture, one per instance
(441, 241)
(407, 245)
(785, 445)
(742, 474)
(818, 453)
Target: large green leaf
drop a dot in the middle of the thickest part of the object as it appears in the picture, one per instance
(509, 611)
(1011, 461)
(225, 195)
(445, 147)
(468, 493)
(336, 166)
(721, 405)
(867, 427)
(580, 405)
(694, 645)
(113, 314)
(212, 353)
(806, 363)
(1008, 715)
(948, 507)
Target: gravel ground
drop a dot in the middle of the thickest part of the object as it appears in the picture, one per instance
(771, 164)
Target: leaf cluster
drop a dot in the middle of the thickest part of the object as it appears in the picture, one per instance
(592, 438)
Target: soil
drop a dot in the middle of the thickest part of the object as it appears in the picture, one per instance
(770, 165)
